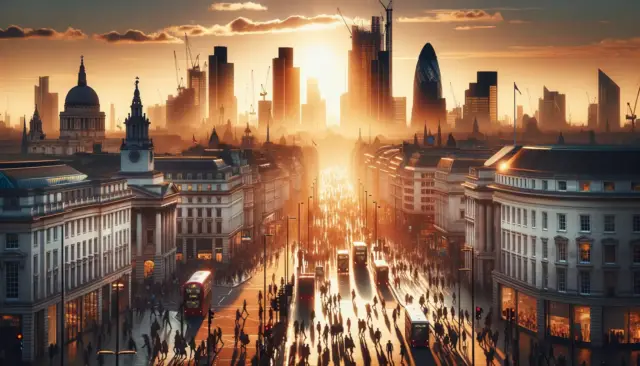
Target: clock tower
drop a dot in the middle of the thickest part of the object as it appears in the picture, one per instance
(136, 152)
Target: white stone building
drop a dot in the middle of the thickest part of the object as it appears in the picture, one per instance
(51, 215)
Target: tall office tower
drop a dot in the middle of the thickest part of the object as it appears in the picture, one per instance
(314, 113)
(381, 109)
(608, 103)
(47, 104)
(400, 111)
(112, 117)
(454, 118)
(520, 114)
(552, 107)
(158, 114)
(592, 116)
(264, 114)
(197, 80)
(286, 89)
(221, 89)
(481, 101)
(181, 113)
(429, 107)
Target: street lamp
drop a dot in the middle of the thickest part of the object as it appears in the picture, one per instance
(117, 286)
(309, 223)
(375, 224)
(286, 263)
(62, 287)
(468, 248)
(264, 292)
(366, 201)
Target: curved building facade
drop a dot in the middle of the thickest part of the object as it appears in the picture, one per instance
(428, 104)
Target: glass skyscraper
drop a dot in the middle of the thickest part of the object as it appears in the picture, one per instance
(428, 105)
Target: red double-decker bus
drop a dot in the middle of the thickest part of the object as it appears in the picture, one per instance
(197, 293)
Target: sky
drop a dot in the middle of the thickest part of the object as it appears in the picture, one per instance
(557, 43)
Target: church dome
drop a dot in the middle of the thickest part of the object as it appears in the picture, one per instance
(82, 95)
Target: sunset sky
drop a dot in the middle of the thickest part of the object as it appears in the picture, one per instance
(557, 43)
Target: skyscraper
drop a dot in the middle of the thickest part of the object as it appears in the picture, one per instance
(221, 87)
(429, 106)
(286, 89)
(520, 114)
(400, 111)
(112, 117)
(47, 104)
(608, 103)
(592, 116)
(552, 107)
(481, 101)
(314, 113)
(197, 80)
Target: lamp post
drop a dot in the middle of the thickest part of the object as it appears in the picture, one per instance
(286, 263)
(309, 223)
(375, 225)
(62, 287)
(470, 249)
(264, 291)
(117, 285)
(366, 201)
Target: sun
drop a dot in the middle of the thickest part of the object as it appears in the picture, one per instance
(320, 61)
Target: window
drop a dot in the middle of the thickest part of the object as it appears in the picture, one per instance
(585, 223)
(544, 221)
(190, 227)
(562, 222)
(636, 283)
(461, 214)
(584, 252)
(199, 227)
(609, 223)
(609, 186)
(545, 275)
(585, 186)
(610, 254)
(545, 185)
(218, 212)
(561, 274)
(199, 212)
(533, 219)
(562, 185)
(179, 212)
(524, 218)
(513, 215)
(11, 280)
(533, 246)
(585, 282)
(189, 212)
(636, 254)
(218, 227)
(518, 217)
(636, 223)
(562, 250)
(209, 212)
(179, 227)
(209, 228)
(533, 184)
(545, 249)
(55, 233)
(12, 241)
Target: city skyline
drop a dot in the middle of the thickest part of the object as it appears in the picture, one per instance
(522, 44)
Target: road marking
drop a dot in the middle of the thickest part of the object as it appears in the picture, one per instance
(221, 299)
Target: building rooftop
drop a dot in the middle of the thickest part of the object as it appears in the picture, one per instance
(37, 174)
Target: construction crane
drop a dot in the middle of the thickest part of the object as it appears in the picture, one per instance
(389, 9)
(632, 112)
(195, 65)
(252, 111)
(264, 93)
(455, 101)
(345, 23)
(178, 80)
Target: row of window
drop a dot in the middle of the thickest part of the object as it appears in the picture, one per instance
(199, 227)
(561, 185)
(208, 212)
(198, 176)
(519, 216)
(207, 199)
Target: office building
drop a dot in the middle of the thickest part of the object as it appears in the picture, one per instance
(158, 114)
(286, 89)
(454, 118)
(592, 116)
(181, 112)
(608, 103)
(552, 107)
(197, 80)
(481, 101)
(520, 114)
(429, 107)
(222, 102)
(264, 114)
(47, 104)
(112, 117)
(314, 113)
(400, 111)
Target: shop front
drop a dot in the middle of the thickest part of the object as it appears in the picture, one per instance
(621, 325)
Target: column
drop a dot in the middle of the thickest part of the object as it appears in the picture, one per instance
(158, 268)
(184, 250)
(138, 234)
(482, 227)
(489, 217)
(596, 326)
(541, 318)
(158, 233)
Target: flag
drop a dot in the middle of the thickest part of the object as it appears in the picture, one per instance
(314, 143)
(119, 127)
(516, 88)
(194, 139)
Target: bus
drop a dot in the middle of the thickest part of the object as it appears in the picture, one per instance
(343, 262)
(197, 293)
(416, 327)
(360, 253)
(306, 287)
(381, 272)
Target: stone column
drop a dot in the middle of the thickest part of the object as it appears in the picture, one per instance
(184, 250)
(158, 233)
(138, 234)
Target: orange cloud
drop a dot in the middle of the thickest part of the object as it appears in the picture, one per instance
(470, 27)
(136, 36)
(237, 6)
(451, 16)
(519, 21)
(607, 48)
(16, 32)
(241, 25)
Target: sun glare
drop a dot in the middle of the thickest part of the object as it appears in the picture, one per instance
(320, 61)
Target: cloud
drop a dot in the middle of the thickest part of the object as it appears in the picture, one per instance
(136, 36)
(16, 32)
(606, 48)
(237, 6)
(241, 25)
(519, 21)
(450, 16)
(470, 27)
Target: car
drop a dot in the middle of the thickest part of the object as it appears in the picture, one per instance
(319, 271)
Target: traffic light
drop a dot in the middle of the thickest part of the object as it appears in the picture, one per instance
(20, 339)
(212, 314)
(478, 312)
